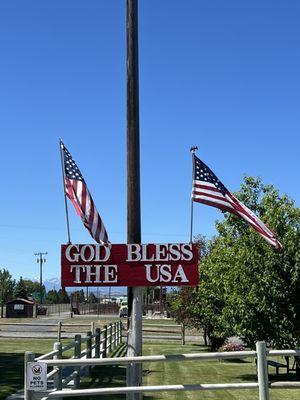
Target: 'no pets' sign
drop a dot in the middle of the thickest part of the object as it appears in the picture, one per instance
(36, 376)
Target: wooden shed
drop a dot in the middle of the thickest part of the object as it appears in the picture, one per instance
(19, 308)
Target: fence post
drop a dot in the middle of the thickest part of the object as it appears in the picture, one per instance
(29, 357)
(119, 333)
(113, 327)
(262, 371)
(57, 379)
(59, 331)
(109, 337)
(93, 327)
(77, 355)
(111, 341)
(97, 343)
(182, 334)
(89, 349)
(104, 341)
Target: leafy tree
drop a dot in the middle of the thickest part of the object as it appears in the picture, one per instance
(248, 288)
(32, 286)
(20, 290)
(63, 297)
(6, 287)
(78, 296)
(184, 303)
(52, 297)
(92, 298)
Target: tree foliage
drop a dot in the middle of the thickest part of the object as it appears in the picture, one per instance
(92, 298)
(33, 286)
(20, 289)
(52, 297)
(78, 296)
(6, 286)
(248, 288)
(63, 297)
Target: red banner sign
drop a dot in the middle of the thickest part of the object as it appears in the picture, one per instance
(129, 265)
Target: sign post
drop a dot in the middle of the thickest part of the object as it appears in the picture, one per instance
(134, 371)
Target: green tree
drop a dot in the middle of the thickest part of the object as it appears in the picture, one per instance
(248, 288)
(52, 297)
(78, 296)
(92, 298)
(6, 287)
(32, 286)
(184, 302)
(63, 297)
(20, 290)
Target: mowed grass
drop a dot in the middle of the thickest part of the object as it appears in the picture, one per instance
(12, 361)
(197, 372)
(189, 372)
(167, 373)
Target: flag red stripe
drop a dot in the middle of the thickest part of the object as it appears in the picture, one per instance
(240, 211)
(216, 205)
(221, 197)
(246, 214)
(206, 187)
(80, 197)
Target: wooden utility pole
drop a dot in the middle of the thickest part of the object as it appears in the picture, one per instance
(134, 371)
(41, 260)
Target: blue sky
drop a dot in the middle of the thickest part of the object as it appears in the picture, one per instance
(220, 75)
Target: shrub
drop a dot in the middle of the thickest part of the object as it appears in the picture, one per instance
(232, 346)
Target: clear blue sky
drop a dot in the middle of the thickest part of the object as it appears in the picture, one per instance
(223, 75)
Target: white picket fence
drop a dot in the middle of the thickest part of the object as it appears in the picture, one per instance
(94, 346)
(262, 384)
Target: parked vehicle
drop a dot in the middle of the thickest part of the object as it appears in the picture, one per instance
(123, 313)
(41, 310)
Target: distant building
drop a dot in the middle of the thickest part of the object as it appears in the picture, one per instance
(20, 308)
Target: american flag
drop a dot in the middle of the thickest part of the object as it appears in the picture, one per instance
(77, 191)
(208, 189)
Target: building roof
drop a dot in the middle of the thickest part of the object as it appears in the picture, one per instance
(24, 301)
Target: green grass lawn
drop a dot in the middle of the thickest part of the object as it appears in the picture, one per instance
(197, 372)
(12, 361)
(168, 373)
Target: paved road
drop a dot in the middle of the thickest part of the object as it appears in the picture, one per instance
(41, 327)
(46, 326)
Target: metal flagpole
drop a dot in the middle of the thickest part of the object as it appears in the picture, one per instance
(134, 341)
(63, 178)
(193, 151)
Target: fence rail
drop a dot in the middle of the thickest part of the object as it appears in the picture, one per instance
(262, 383)
(43, 330)
(97, 344)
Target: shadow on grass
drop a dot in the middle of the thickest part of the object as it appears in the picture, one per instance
(200, 346)
(11, 373)
(272, 377)
(236, 361)
(107, 376)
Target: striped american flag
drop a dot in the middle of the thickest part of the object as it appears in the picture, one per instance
(77, 191)
(208, 189)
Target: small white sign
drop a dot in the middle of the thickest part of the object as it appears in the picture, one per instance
(18, 306)
(37, 376)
